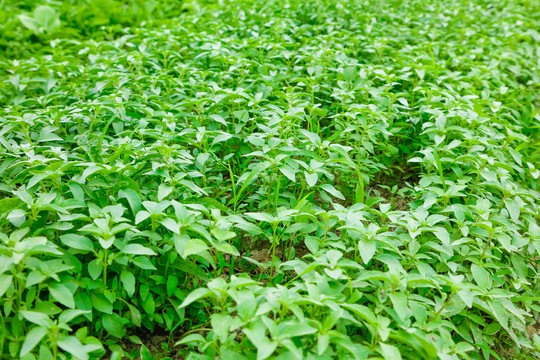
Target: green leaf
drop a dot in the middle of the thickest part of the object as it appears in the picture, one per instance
(133, 199)
(141, 216)
(70, 314)
(137, 249)
(149, 305)
(145, 353)
(29, 22)
(101, 303)
(334, 274)
(95, 267)
(499, 312)
(172, 284)
(506, 241)
(390, 352)
(37, 318)
(73, 346)
(194, 296)
(514, 209)
(17, 217)
(62, 294)
(164, 191)
(222, 235)
(311, 179)
(180, 243)
(47, 17)
(256, 333)
(261, 216)
(193, 187)
(194, 246)
(219, 119)
(294, 328)
(128, 280)
(367, 250)
(113, 325)
(227, 249)
(250, 228)
(323, 341)
(47, 134)
(77, 191)
(106, 243)
(135, 315)
(172, 225)
(467, 296)
(443, 235)
(362, 312)
(190, 339)
(481, 276)
(48, 308)
(33, 337)
(399, 301)
(332, 191)
(289, 172)
(45, 353)
(77, 242)
(9, 204)
(5, 282)
(143, 263)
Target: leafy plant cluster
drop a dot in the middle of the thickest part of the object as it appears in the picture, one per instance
(265, 179)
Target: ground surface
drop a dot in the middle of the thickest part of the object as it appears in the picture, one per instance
(269, 179)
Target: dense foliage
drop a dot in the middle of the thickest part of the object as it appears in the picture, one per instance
(265, 179)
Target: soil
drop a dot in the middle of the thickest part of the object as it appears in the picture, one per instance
(153, 341)
(399, 203)
(264, 255)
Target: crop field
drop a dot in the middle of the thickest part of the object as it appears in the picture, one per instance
(270, 179)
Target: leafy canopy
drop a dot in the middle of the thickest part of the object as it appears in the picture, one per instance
(269, 179)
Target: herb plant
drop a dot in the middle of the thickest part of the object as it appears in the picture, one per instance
(269, 179)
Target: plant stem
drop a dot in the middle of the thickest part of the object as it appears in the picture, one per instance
(446, 303)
